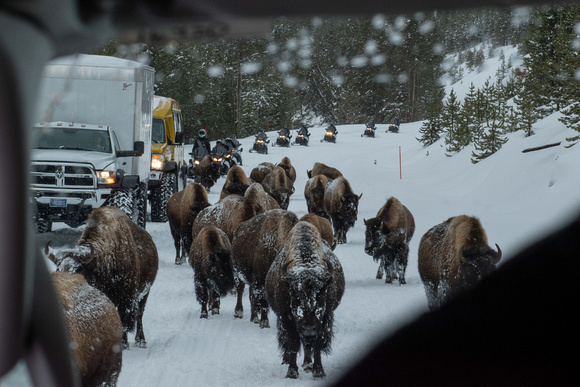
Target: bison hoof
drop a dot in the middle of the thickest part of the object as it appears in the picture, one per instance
(141, 344)
(264, 324)
(379, 276)
(215, 311)
(292, 373)
(307, 367)
(203, 315)
(402, 282)
(239, 314)
(318, 373)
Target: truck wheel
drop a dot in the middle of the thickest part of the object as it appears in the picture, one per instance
(43, 226)
(161, 195)
(141, 205)
(121, 198)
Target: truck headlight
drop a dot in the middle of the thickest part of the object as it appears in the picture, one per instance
(105, 177)
(157, 162)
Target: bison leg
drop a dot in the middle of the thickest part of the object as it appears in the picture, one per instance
(253, 305)
(381, 270)
(175, 233)
(317, 369)
(401, 264)
(139, 335)
(214, 299)
(389, 270)
(307, 363)
(289, 342)
(261, 305)
(239, 310)
(201, 295)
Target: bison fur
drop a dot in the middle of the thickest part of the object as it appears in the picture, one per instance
(342, 205)
(256, 193)
(236, 182)
(323, 169)
(314, 195)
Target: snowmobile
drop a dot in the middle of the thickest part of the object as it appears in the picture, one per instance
(393, 126)
(369, 130)
(235, 150)
(330, 134)
(221, 154)
(260, 144)
(303, 137)
(283, 138)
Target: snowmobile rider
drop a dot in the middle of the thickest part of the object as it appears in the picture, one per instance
(304, 131)
(332, 128)
(395, 120)
(263, 136)
(285, 132)
(201, 147)
(371, 125)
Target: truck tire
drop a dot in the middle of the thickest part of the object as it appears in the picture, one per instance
(141, 205)
(121, 198)
(160, 196)
(43, 226)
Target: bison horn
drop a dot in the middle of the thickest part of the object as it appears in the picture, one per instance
(498, 254)
(360, 196)
(47, 248)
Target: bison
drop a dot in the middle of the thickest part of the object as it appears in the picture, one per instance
(342, 205)
(227, 214)
(261, 171)
(324, 226)
(182, 209)
(120, 259)
(236, 182)
(304, 286)
(387, 239)
(255, 246)
(323, 169)
(314, 195)
(94, 328)
(453, 257)
(256, 193)
(210, 258)
(286, 164)
(207, 172)
(277, 184)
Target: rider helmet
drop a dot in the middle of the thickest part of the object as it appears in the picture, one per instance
(202, 133)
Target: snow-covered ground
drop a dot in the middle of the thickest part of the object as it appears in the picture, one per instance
(518, 197)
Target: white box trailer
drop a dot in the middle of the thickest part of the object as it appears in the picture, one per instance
(79, 92)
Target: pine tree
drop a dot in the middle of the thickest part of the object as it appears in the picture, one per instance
(525, 113)
(450, 119)
(432, 127)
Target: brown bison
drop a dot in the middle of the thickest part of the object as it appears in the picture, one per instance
(303, 287)
(255, 246)
(277, 184)
(210, 258)
(256, 193)
(207, 172)
(314, 195)
(94, 328)
(286, 164)
(453, 257)
(120, 259)
(342, 205)
(324, 226)
(261, 171)
(227, 214)
(182, 209)
(387, 239)
(236, 182)
(323, 169)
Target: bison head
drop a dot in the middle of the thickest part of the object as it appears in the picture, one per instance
(479, 261)
(308, 297)
(219, 269)
(73, 260)
(350, 208)
(376, 235)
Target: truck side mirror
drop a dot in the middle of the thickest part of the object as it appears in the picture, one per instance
(179, 138)
(139, 148)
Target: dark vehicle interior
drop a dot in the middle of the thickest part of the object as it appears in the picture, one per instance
(530, 324)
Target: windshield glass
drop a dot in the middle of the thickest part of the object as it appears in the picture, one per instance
(72, 139)
(158, 133)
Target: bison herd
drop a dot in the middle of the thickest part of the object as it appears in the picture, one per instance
(250, 238)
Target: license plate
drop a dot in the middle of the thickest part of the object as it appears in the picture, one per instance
(58, 202)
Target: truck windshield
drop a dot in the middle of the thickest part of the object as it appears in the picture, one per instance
(158, 134)
(72, 139)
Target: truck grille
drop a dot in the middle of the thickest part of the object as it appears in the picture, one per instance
(50, 175)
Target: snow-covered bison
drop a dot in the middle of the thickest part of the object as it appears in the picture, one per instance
(255, 246)
(453, 257)
(258, 174)
(323, 225)
(94, 327)
(207, 172)
(314, 195)
(120, 259)
(323, 169)
(227, 214)
(236, 182)
(341, 203)
(277, 184)
(210, 258)
(256, 193)
(304, 286)
(182, 209)
(387, 239)
(286, 164)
